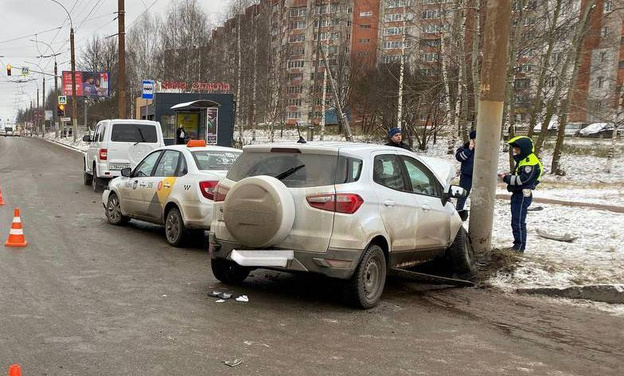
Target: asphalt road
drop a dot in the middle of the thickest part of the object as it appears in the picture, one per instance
(88, 298)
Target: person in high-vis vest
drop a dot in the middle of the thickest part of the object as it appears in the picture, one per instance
(521, 183)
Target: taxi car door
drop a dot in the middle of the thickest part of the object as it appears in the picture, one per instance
(158, 187)
(131, 196)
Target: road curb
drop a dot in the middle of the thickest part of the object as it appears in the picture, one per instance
(613, 294)
(69, 147)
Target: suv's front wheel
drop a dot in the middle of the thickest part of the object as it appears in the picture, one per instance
(367, 284)
(228, 271)
(461, 255)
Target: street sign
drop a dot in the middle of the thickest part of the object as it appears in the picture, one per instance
(65, 119)
(148, 89)
(62, 99)
(25, 71)
(49, 114)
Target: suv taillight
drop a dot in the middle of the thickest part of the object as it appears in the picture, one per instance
(207, 189)
(103, 154)
(346, 203)
(220, 192)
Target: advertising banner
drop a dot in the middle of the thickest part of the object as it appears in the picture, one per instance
(190, 122)
(212, 125)
(88, 84)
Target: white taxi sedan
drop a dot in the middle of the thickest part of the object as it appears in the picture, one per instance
(173, 185)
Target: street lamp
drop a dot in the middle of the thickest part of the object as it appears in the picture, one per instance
(54, 55)
(73, 71)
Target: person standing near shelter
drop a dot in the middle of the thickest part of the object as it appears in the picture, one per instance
(180, 135)
(396, 139)
(521, 183)
(465, 155)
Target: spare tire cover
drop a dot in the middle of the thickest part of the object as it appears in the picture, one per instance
(137, 152)
(259, 211)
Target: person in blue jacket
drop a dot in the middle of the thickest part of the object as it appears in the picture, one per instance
(465, 155)
(521, 183)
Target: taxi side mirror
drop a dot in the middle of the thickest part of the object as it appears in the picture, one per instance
(453, 191)
(127, 172)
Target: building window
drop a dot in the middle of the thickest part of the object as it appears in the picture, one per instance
(298, 12)
(365, 26)
(294, 90)
(293, 102)
(605, 31)
(608, 6)
(297, 38)
(600, 82)
(295, 76)
(429, 57)
(293, 115)
(364, 41)
(297, 25)
(296, 64)
(522, 83)
(603, 56)
(366, 14)
(297, 50)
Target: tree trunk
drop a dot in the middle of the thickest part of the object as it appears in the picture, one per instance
(474, 56)
(579, 38)
(538, 103)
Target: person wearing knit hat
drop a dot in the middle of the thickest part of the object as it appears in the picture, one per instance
(396, 139)
(465, 155)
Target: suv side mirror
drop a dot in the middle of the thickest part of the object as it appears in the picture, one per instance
(86, 138)
(127, 172)
(454, 191)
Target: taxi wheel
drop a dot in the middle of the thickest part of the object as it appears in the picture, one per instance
(174, 227)
(113, 211)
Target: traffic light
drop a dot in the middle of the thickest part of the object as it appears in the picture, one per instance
(60, 110)
(8, 69)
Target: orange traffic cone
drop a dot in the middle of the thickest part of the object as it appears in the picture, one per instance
(15, 370)
(16, 234)
(1, 200)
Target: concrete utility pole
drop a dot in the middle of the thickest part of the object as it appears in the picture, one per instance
(44, 108)
(121, 74)
(490, 116)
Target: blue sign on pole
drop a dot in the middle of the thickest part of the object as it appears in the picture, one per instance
(148, 89)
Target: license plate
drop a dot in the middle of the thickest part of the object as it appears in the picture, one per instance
(117, 167)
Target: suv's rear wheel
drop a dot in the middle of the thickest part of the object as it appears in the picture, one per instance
(461, 255)
(228, 271)
(113, 211)
(174, 227)
(367, 284)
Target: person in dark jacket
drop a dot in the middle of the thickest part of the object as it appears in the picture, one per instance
(180, 135)
(521, 183)
(465, 155)
(396, 139)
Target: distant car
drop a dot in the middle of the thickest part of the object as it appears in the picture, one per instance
(8, 131)
(573, 129)
(552, 126)
(597, 130)
(346, 210)
(118, 144)
(173, 185)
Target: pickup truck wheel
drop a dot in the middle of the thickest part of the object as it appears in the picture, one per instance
(88, 178)
(174, 227)
(113, 211)
(364, 289)
(228, 271)
(461, 255)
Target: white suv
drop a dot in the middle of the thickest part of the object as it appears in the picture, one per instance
(346, 210)
(118, 144)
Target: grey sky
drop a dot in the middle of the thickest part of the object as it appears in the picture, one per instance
(19, 18)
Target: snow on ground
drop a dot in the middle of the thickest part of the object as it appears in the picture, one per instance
(68, 141)
(597, 256)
